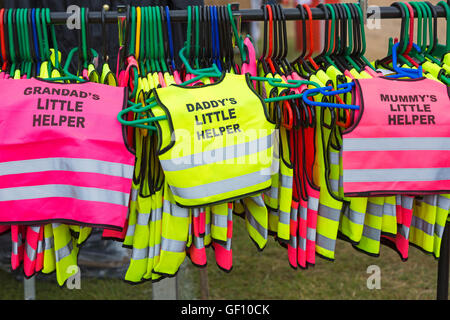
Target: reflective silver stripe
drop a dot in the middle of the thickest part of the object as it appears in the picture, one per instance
(311, 234)
(286, 181)
(64, 191)
(130, 230)
(421, 224)
(284, 217)
(64, 251)
(273, 192)
(431, 200)
(438, 230)
(334, 158)
(303, 212)
(198, 242)
(56, 225)
(142, 218)
(228, 245)
(67, 164)
(398, 200)
(341, 182)
(15, 248)
(389, 209)
(274, 213)
(256, 225)
(219, 220)
(443, 203)
(393, 175)
(31, 253)
(40, 247)
(313, 203)
(35, 228)
(220, 187)
(156, 214)
(294, 214)
(325, 242)
(195, 212)
(16, 245)
(404, 231)
(407, 202)
(174, 210)
(355, 216)
(329, 213)
(396, 144)
(293, 241)
(172, 245)
(153, 251)
(302, 243)
(371, 233)
(258, 200)
(134, 194)
(374, 209)
(334, 184)
(217, 155)
(139, 254)
(207, 229)
(49, 243)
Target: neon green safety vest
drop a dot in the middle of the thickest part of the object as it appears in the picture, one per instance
(217, 143)
(329, 207)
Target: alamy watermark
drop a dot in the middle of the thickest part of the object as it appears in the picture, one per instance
(374, 280)
(74, 281)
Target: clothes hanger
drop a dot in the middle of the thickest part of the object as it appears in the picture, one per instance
(262, 59)
(170, 42)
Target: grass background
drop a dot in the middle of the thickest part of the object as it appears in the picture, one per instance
(264, 275)
(267, 274)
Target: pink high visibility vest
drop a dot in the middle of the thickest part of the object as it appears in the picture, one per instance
(62, 154)
(400, 142)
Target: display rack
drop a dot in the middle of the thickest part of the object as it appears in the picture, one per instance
(169, 289)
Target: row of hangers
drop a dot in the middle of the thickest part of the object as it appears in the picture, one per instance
(426, 52)
(213, 71)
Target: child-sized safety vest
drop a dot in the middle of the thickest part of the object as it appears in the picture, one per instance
(400, 142)
(62, 156)
(216, 145)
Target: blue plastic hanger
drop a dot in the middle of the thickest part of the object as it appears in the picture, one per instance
(169, 32)
(326, 91)
(405, 72)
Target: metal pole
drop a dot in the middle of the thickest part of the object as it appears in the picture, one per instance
(443, 265)
(246, 15)
(29, 288)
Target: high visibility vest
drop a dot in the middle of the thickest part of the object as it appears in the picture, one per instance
(442, 213)
(256, 220)
(394, 148)
(293, 241)
(302, 233)
(66, 253)
(423, 221)
(404, 212)
(68, 157)
(223, 251)
(329, 210)
(174, 234)
(40, 250)
(30, 250)
(17, 245)
(389, 217)
(210, 134)
(373, 221)
(197, 251)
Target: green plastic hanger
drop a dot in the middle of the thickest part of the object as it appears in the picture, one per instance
(162, 56)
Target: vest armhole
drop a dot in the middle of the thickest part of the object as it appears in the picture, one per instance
(356, 90)
(263, 104)
(162, 149)
(124, 128)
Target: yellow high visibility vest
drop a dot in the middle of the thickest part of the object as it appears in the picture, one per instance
(216, 145)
